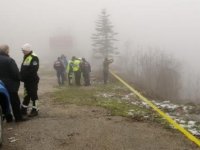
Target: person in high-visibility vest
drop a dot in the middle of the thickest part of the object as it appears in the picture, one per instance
(77, 70)
(70, 72)
(29, 76)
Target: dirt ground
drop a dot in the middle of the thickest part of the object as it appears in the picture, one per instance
(71, 127)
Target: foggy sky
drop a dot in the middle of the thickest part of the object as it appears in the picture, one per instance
(171, 25)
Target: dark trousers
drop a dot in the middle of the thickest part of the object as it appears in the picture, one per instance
(70, 77)
(15, 103)
(77, 75)
(86, 77)
(30, 92)
(60, 77)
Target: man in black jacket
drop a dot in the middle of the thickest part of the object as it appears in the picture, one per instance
(9, 74)
(86, 69)
(29, 76)
(60, 70)
(106, 64)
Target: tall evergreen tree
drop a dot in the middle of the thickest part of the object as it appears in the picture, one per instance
(104, 38)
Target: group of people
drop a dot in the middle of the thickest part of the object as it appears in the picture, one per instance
(59, 65)
(77, 67)
(74, 68)
(11, 76)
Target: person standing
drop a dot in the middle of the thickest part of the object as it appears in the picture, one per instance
(86, 69)
(65, 63)
(63, 58)
(77, 70)
(70, 72)
(106, 64)
(60, 70)
(29, 76)
(9, 75)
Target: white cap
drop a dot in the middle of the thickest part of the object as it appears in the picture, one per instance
(26, 47)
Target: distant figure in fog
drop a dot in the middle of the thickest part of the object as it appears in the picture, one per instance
(86, 69)
(77, 70)
(64, 60)
(65, 63)
(70, 72)
(106, 64)
(60, 70)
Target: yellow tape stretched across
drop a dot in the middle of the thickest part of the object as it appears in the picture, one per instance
(170, 120)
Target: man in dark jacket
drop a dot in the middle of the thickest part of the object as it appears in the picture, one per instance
(9, 74)
(63, 58)
(60, 71)
(29, 76)
(86, 69)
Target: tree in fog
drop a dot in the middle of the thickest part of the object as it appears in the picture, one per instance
(104, 38)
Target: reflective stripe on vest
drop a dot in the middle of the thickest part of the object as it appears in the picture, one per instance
(28, 60)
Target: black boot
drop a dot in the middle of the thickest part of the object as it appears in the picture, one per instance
(33, 113)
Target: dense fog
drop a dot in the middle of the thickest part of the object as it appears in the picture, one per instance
(169, 26)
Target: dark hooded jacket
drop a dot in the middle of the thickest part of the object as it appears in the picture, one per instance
(9, 73)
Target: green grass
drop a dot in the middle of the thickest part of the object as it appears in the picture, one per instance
(95, 96)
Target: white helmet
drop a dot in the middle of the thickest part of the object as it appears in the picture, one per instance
(26, 47)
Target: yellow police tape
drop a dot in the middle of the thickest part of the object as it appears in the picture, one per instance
(170, 120)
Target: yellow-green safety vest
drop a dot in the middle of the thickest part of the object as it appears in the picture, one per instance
(28, 59)
(76, 65)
